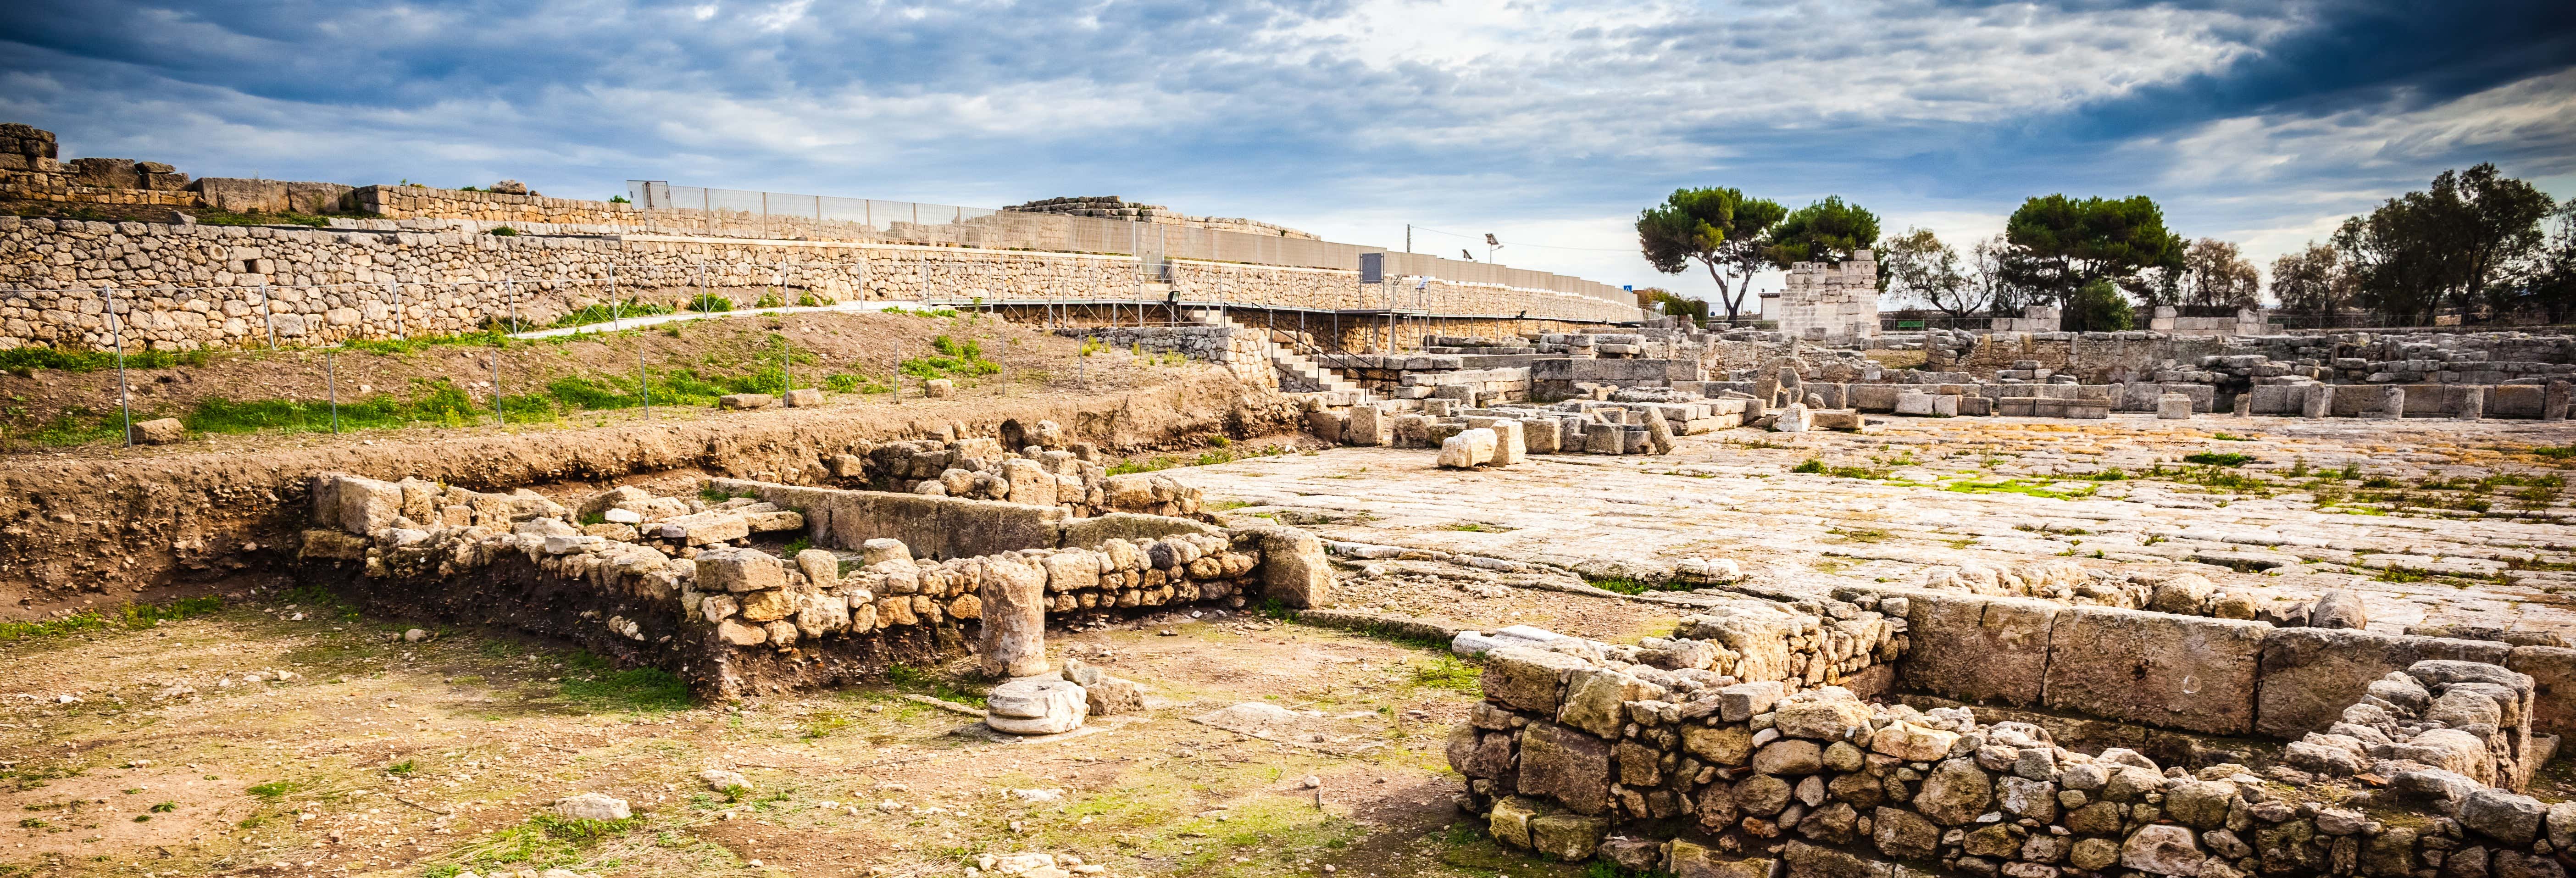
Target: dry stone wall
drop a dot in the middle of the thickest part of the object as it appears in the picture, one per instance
(1575, 755)
(183, 287)
(670, 582)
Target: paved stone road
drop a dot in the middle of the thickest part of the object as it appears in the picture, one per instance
(1925, 493)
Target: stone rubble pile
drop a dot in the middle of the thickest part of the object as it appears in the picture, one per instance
(1048, 472)
(2450, 726)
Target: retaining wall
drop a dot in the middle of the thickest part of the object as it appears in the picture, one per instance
(1577, 756)
(183, 287)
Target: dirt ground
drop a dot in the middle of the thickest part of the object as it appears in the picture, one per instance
(181, 752)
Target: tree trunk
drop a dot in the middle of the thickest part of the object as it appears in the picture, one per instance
(1725, 293)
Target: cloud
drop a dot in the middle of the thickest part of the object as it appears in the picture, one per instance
(1551, 121)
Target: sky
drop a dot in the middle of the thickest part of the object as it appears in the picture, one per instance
(1547, 124)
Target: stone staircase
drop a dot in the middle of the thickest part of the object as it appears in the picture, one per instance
(1297, 372)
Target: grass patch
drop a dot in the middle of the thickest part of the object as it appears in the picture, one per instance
(1477, 527)
(1447, 672)
(2219, 458)
(2403, 574)
(914, 679)
(1817, 466)
(2018, 486)
(953, 358)
(544, 841)
(35, 357)
(274, 790)
(710, 303)
(2230, 437)
(608, 312)
(129, 617)
(641, 690)
(1859, 535)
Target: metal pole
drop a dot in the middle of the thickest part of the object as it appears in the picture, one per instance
(331, 375)
(124, 397)
(268, 317)
(497, 420)
(898, 372)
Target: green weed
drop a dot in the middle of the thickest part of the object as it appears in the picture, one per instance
(129, 617)
(2219, 458)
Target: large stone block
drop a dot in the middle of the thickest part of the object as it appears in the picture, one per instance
(2309, 675)
(1566, 765)
(2553, 677)
(2182, 672)
(1593, 699)
(1528, 679)
(1976, 648)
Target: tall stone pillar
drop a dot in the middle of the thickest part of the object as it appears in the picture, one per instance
(2553, 405)
(2472, 403)
(1013, 590)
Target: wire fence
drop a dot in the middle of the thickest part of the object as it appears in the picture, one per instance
(779, 214)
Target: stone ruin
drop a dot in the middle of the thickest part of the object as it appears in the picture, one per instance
(1114, 207)
(684, 583)
(1714, 752)
(1831, 301)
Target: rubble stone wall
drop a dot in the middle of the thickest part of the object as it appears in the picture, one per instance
(674, 590)
(183, 287)
(1239, 350)
(1577, 757)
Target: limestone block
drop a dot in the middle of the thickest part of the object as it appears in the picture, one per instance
(2173, 407)
(2553, 675)
(1528, 679)
(2309, 675)
(1294, 569)
(1030, 483)
(1036, 706)
(1368, 425)
(745, 400)
(767, 606)
(2183, 672)
(158, 431)
(939, 388)
(1567, 765)
(1511, 444)
(1468, 449)
(1568, 837)
(1604, 439)
(2318, 402)
(368, 505)
(804, 397)
(1846, 420)
(1593, 699)
(1541, 436)
(739, 570)
(2162, 849)
(1794, 419)
(1976, 648)
(1510, 819)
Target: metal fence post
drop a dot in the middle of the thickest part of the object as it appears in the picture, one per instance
(124, 395)
(268, 317)
(331, 375)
